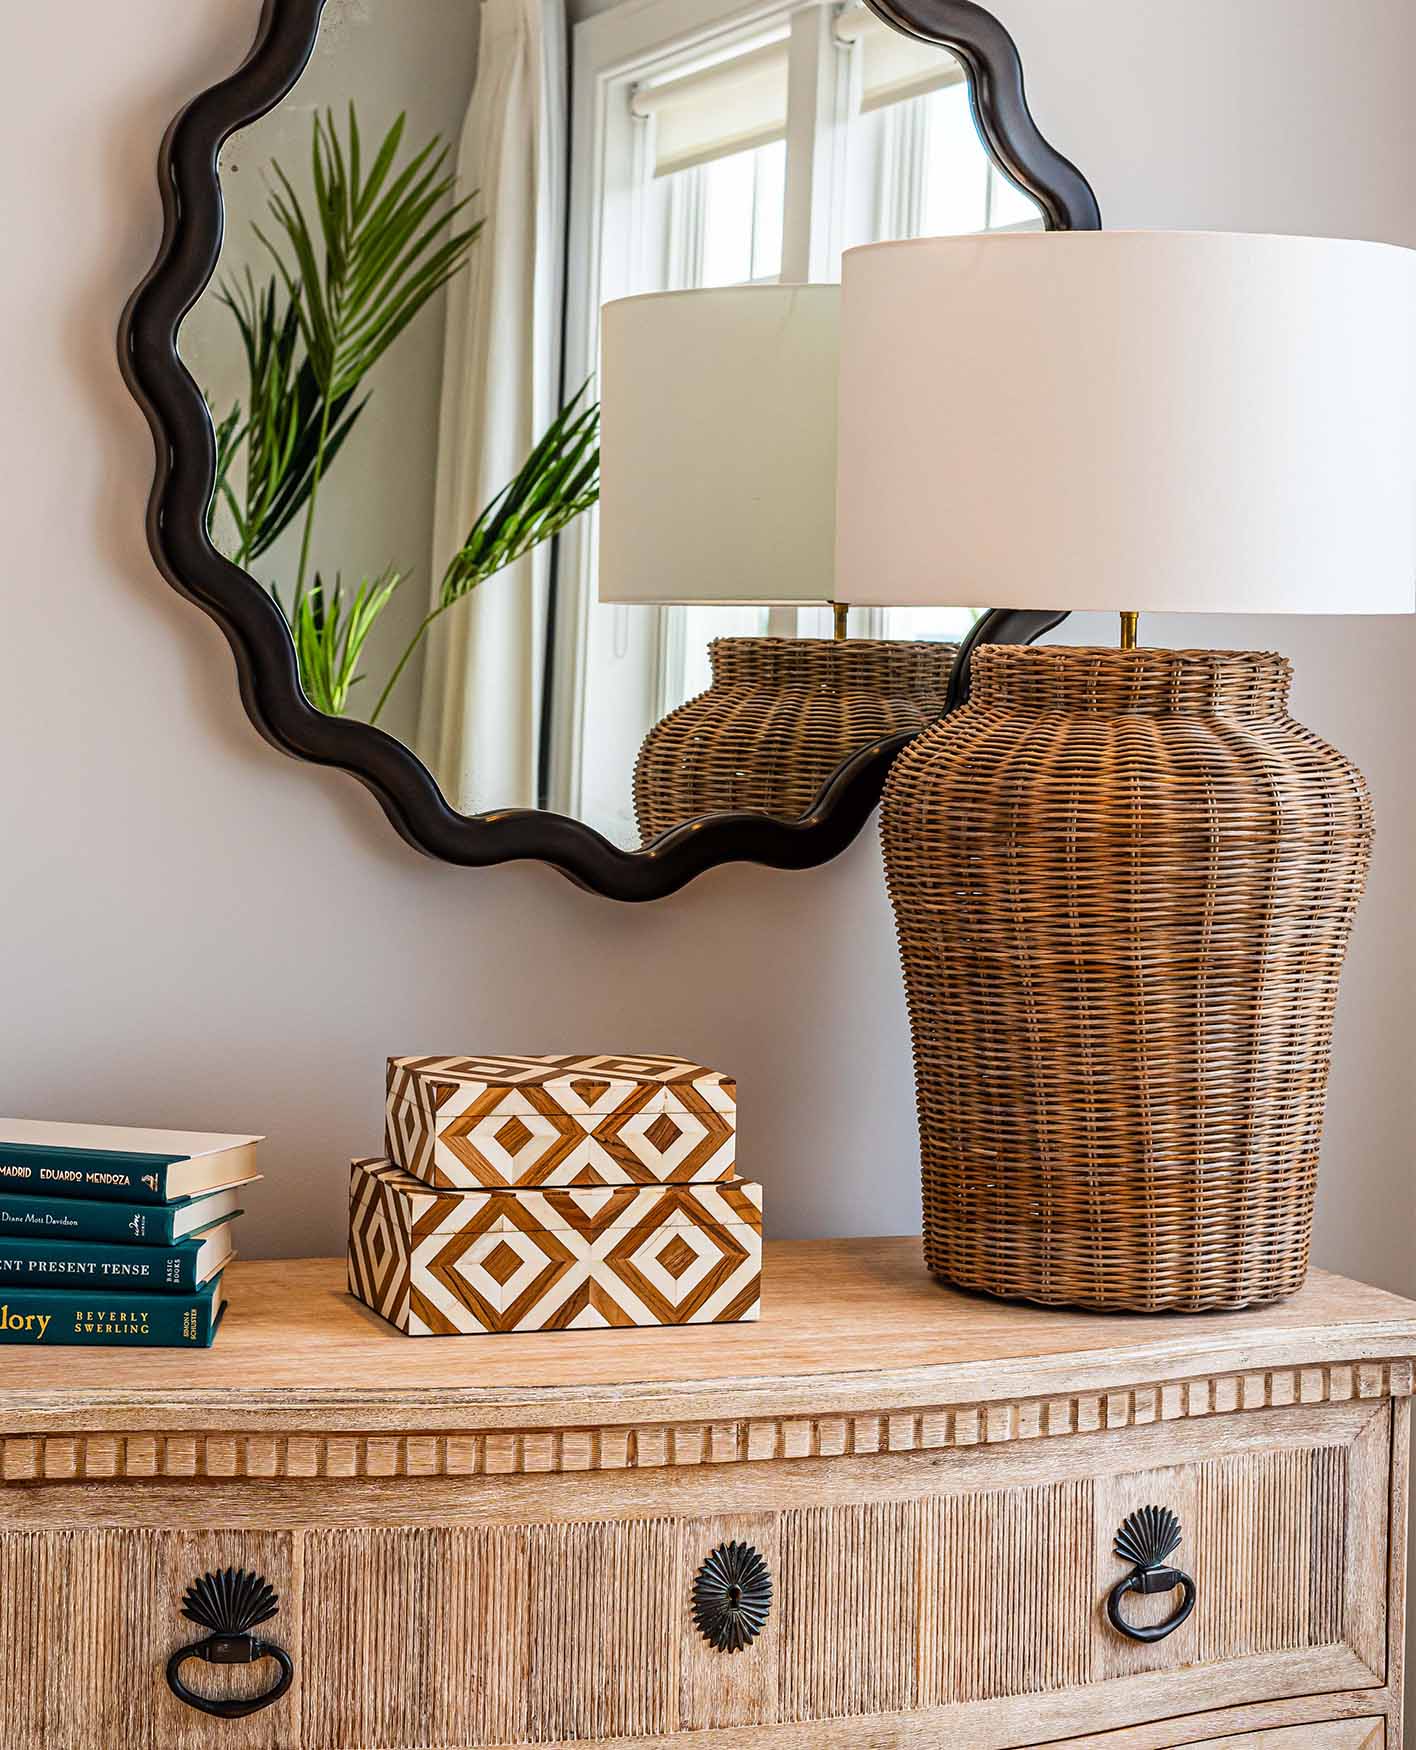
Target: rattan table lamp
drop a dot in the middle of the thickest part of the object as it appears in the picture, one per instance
(1124, 879)
(718, 482)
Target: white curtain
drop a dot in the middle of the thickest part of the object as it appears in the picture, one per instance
(481, 700)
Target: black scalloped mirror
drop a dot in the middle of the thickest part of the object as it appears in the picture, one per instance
(368, 350)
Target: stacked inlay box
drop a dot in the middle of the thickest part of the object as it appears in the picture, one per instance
(555, 1193)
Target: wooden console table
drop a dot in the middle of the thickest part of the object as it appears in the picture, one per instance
(494, 1541)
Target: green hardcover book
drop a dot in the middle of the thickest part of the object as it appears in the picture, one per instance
(102, 1319)
(120, 1165)
(141, 1224)
(177, 1269)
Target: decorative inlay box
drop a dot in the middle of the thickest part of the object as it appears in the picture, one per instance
(492, 1122)
(446, 1262)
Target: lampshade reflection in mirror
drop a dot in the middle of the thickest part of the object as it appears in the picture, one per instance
(719, 487)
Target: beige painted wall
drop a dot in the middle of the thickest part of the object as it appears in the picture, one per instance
(198, 932)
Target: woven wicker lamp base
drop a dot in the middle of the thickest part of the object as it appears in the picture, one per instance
(780, 717)
(1124, 883)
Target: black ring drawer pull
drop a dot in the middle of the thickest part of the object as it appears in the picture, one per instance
(1146, 1538)
(732, 1595)
(230, 1603)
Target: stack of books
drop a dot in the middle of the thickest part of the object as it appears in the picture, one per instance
(111, 1236)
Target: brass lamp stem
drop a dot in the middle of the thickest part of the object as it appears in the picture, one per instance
(1128, 630)
(839, 613)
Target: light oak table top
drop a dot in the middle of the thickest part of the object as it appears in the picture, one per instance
(846, 1325)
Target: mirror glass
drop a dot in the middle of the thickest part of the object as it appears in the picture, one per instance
(400, 353)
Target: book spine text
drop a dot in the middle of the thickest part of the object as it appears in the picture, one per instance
(72, 1264)
(74, 1218)
(99, 1320)
(44, 1172)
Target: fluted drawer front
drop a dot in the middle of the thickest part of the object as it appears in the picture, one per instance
(976, 1597)
(90, 1619)
(497, 1634)
(871, 1599)
(947, 1598)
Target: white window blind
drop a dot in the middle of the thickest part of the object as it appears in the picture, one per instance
(738, 103)
(893, 67)
(729, 107)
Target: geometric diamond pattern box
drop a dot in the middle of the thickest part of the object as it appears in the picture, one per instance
(442, 1262)
(487, 1123)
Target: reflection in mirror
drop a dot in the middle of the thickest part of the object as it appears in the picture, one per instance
(401, 360)
(753, 474)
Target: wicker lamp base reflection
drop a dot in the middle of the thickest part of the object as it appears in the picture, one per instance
(1124, 883)
(779, 718)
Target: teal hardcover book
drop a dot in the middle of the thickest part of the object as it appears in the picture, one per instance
(100, 1318)
(177, 1269)
(120, 1165)
(138, 1224)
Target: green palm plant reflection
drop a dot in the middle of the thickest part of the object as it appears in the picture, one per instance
(379, 240)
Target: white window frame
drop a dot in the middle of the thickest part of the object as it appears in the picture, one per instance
(611, 53)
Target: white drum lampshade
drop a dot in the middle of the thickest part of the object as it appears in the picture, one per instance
(1131, 420)
(718, 446)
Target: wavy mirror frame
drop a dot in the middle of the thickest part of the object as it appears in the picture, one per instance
(256, 630)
